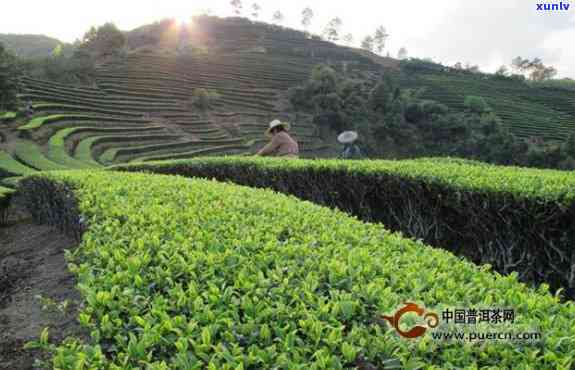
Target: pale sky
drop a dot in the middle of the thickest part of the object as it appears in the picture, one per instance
(488, 32)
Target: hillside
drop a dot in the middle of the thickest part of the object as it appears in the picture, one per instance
(139, 105)
(548, 112)
(30, 46)
(138, 108)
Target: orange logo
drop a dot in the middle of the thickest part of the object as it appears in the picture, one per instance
(431, 319)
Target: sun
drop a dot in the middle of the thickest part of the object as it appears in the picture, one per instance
(183, 19)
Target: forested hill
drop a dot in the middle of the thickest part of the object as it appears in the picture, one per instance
(31, 46)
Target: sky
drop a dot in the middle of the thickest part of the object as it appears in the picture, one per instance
(487, 33)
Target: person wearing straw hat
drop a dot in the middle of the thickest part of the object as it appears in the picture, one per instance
(281, 144)
(350, 149)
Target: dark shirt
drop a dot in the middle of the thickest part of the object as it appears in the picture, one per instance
(351, 151)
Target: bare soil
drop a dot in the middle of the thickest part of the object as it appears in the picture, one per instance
(32, 265)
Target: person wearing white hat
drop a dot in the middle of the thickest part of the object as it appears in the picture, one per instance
(350, 149)
(281, 144)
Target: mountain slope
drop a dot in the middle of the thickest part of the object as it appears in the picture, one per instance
(30, 46)
(527, 110)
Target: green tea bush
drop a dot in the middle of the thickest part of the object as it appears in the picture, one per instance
(7, 116)
(476, 104)
(10, 166)
(204, 99)
(194, 274)
(514, 218)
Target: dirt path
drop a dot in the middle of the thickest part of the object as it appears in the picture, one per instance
(32, 265)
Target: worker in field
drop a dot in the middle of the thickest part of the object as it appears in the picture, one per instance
(29, 109)
(350, 148)
(281, 144)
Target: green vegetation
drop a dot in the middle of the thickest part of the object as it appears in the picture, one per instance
(204, 99)
(32, 46)
(259, 279)
(102, 41)
(40, 121)
(74, 69)
(7, 116)
(9, 166)
(76, 64)
(83, 151)
(8, 79)
(11, 182)
(396, 122)
(527, 109)
(57, 149)
(516, 219)
(565, 83)
(476, 104)
(31, 154)
(214, 150)
(5, 197)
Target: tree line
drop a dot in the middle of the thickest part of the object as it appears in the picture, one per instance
(332, 31)
(398, 123)
(76, 67)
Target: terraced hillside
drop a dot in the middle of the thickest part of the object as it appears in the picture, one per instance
(139, 107)
(528, 111)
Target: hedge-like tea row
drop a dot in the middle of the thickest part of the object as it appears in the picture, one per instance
(516, 219)
(187, 274)
(10, 166)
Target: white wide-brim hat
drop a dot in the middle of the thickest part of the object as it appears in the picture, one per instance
(276, 123)
(347, 137)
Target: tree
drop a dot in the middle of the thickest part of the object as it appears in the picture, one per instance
(471, 68)
(278, 17)
(476, 104)
(8, 82)
(331, 31)
(458, 66)
(367, 43)
(380, 38)
(307, 15)
(256, 8)
(348, 39)
(57, 51)
(402, 53)
(535, 68)
(203, 99)
(520, 65)
(103, 41)
(384, 93)
(502, 71)
(541, 73)
(236, 6)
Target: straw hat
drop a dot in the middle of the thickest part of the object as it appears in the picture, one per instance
(347, 137)
(277, 123)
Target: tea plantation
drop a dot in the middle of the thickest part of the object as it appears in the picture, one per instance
(200, 274)
(230, 262)
(528, 111)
